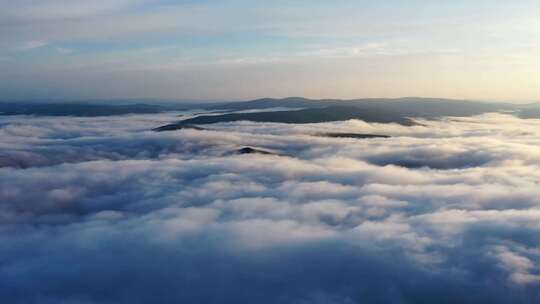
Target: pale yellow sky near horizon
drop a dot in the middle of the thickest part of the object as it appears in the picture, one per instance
(238, 50)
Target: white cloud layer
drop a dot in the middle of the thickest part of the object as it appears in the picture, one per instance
(101, 210)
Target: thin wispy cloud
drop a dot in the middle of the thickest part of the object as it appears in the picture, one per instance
(30, 45)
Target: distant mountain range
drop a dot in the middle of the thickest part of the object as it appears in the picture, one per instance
(398, 110)
(314, 115)
(76, 109)
(412, 105)
(303, 110)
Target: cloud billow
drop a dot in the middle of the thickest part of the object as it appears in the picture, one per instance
(104, 211)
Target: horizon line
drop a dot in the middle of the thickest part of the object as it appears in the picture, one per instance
(200, 100)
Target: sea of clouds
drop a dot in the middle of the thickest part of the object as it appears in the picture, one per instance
(104, 210)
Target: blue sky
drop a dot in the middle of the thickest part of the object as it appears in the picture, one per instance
(246, 49)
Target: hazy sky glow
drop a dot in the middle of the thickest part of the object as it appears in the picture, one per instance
(245, 49)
